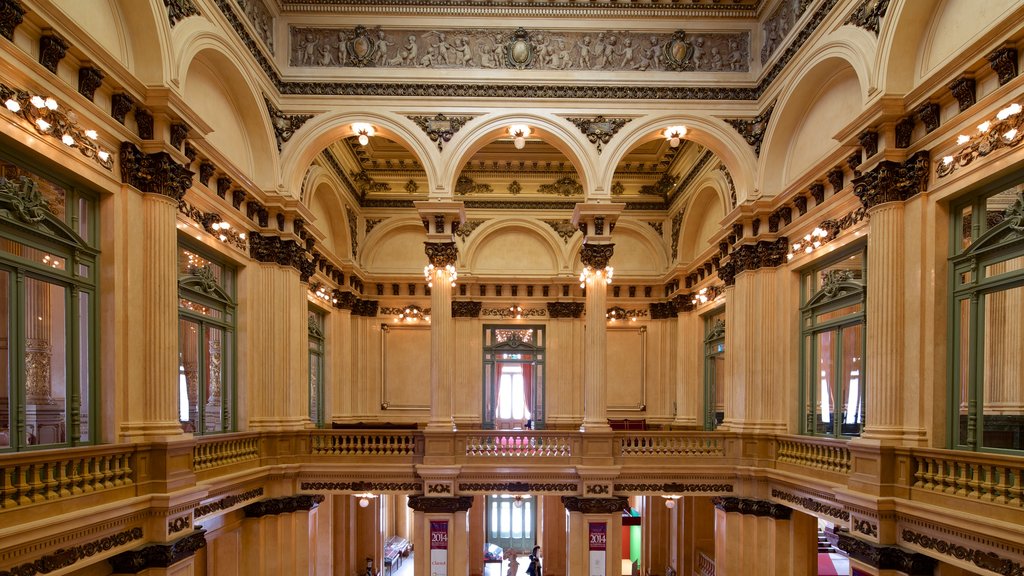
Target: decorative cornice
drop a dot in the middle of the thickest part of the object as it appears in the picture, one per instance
(599, 130)
(512, 487)
(434, 505)
(283, 505)
(984, 560)
(89, 80)
(565, 309)
(11, 15)
(868, 13)
(893, 181)
(753, 130)
(361, 486)
(1004, 62)
(178, 10)
(441, 254)
(159, 555)
(762, 508)
(155, 173)
(613, 505)
(673, 488)
(885, 557)
(226, 502)
(466, 309)
(596, 256)
(285, 125)
(52, 50)
(812, 505)
(662, 310)
(65, 557)
(440, 128)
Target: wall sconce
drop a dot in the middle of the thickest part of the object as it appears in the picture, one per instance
(673, 134)
(518, 502)
(364, 499)
(364, 131)
(1002, 131)
(618, 313)
(519, 133)
(589, 274)
(670, 500)
(412, 313)
(706, 294)
(321, 291)
(809, 243)
(516, 311)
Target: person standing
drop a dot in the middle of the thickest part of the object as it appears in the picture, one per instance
(534, 568)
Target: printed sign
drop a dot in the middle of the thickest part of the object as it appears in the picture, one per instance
(598, 536)
(438, 548)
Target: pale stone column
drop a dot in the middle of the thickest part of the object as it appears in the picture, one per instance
(441, 220)
(690, 370)
(596, 221)
(760, 537)
(883, 192)
(338, 359)
(582, 513)
(454, 511)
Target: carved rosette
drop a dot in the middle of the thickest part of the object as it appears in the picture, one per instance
(596, 256)
(159, 555)
(466, 309)
(747, 506)
(441, 254)
(437, 505)
(565, 309)
(893, 181)
(612, 505)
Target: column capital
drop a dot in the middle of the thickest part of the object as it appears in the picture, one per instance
(155, 173)
(435, 505)
(596, 256)
(891, 181)
(441, 254)
(441, 219)
(612, 505)
(158, 555)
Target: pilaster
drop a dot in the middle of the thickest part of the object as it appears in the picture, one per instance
(441, 524)
(595, 541)
(760, 537)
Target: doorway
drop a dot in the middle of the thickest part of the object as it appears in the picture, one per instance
(513, 377)
(512, 521)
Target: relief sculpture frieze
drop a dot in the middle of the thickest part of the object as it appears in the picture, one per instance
(520, 49)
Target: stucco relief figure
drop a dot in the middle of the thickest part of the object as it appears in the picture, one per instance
(342, 48)
(381, 48)
(607, 51)
(627, 54)
(656, 53)
(561, 58)
(585, 49)
(325, 55)
(716, 59)
(463, 53)
(308, 50)
(441, 49)
(597, 51)
(407, 54)
(699, 53)
(735, 56)
(542, 51)
(430, 57)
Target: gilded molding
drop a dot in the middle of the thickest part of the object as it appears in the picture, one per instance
(753, 130)
(158, 555)
(285, 125)
(893, 181)
(599, 130)
(155, 173)
(747, 506)
(613, 505)
(868, 14)
(178, 10)
(985, 560)
(440, 128)
(596, 256)
(361, 486)
(11, 15)
(283, 505)
(435, 505)
(565, 309)
(441, 254)
(66, 557)
(89, 80)
(510, 487)
(885, 557)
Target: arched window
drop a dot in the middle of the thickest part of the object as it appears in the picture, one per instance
(987, 301)
(206, 342)
(832, 346)
(47, 311)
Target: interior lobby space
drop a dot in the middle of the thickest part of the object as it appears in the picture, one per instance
(511, 287)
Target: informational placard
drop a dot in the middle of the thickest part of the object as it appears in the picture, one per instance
(598, 548)
(438, 548)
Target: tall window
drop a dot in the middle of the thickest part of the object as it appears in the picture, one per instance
(47, 311)
(714, 369)
(987, 344)
(511, 521)
(513, 377)
(316, 367)
(206, 332)
(832, 350)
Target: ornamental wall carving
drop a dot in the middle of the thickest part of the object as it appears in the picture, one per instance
(434, 505)
(611, 505)
(65, 557)
(611, 50)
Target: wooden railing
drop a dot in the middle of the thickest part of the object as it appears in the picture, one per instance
(984, 477)
(669, 444)
(364, 443)
(44, 476)
(818, 453)
(213, 451)
(705, 564)
(526, 443)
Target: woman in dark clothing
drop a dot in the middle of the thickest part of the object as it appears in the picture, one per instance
(534, 568)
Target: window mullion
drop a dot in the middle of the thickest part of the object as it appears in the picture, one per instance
(977, 369)
(72, 418)
(17, 348)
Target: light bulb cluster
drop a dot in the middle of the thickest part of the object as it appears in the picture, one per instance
(519, 134)
(53, 262)
(46, 115)
(222, 230)
(591, 274)
(616, 313)
(412, 313)
(322, 292)
(516, 311)
(363, 131)
(1003, 130)
(674, 135)
(809, 243)
(701, 297)
(428, 274)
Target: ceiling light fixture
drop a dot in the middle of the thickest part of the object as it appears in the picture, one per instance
(670, 500)
(673, 134)
(364, 499)
(364, 131)
(519, 133)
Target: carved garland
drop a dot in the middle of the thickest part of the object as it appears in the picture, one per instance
(435, 505)
(613, 505)
(673, 488)
(507, 487)
(227, 502)
(360, 486)
(812, 505)
(599, 130)
(158, 555)
(752, 507)
(65, 557)
(283, 505)
(440, 128)
(986, 560)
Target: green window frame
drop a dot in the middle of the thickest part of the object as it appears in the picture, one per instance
(832, 345)
(714, 369)
(986, 359)
(206, 341)
(48, 310)
(521, 345)
(316, 367)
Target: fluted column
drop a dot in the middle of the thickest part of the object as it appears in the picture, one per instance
(442, 524)
(689, 369)
(441, 220)
(595, 535)
(596, 221)
(761, 537)
(883, 192)
(339, 381)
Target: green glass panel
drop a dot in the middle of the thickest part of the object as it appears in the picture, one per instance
(824, 375)
(45, 382)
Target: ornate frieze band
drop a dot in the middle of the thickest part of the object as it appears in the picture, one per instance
(361, 486)
(227, 502)
(436, 505)
(985, 560)
(159, 555)
(812, 505)
(511, 487)
(565, 309)
(65, 557)
(674, 488)
(613, 505)
(893, 181)
(884, 557)
(283, 505)
(753, 507)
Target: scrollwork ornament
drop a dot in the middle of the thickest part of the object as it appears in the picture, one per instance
(753, 130)
(868, 14)
(441, 254)
(24, 197)
(440, 505)
(599, 130)
(596, 256)
(613, 505)
(440, 128)
(11, 15)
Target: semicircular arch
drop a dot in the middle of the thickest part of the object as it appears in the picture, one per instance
(702, 221)
(516, 246)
